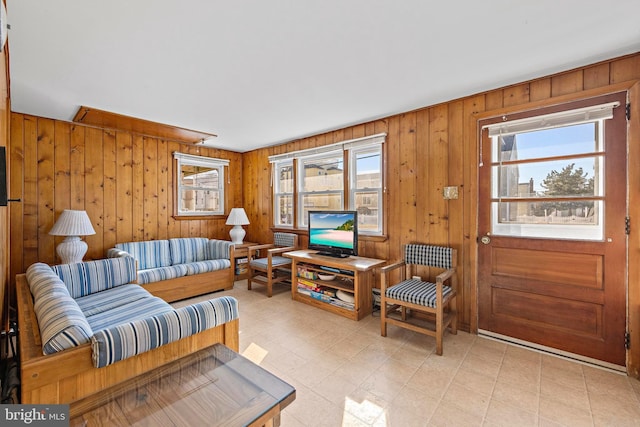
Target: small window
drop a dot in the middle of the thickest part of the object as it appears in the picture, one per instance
(283, 194)
(365, 165)
(547, 175)
(200, 185)
(321, 184)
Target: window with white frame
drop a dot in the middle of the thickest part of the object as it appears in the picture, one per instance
(548, 174)
(365, 187)
(320, 183)
(200, 185)
(283, 194)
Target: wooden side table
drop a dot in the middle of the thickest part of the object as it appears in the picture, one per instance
(241, 269)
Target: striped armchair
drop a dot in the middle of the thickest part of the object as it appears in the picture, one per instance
(437, 298)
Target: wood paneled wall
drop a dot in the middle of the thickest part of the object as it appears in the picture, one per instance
(437, 146)
(124, 181)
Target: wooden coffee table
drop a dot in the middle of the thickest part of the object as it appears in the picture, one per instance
(214, 387)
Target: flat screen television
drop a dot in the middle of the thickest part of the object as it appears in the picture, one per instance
(334, 233)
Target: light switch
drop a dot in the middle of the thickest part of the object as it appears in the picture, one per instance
(450, 192)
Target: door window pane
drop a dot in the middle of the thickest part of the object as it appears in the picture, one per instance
(549, 183)
(555, 178)
(562, 141)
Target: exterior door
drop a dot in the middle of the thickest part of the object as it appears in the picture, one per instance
(552, 229)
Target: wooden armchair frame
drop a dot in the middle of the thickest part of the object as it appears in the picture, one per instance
(444, 312)
(272, 272)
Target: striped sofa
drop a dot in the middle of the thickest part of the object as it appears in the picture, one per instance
(180, 268)
(95, 309)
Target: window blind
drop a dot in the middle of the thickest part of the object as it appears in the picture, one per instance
(344, 145)
(553, 120)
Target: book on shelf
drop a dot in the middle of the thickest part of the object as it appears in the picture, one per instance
(306, 282)
(320, 289)
(325, 298)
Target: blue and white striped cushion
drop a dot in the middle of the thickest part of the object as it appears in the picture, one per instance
(434, 256)
(207, 266)
(188, 249)
(162, 273)
(129, 311)
(43, 280)
(276, 261)
(103, 301)
(417, 292)
(219, 249)
(126, 340)
(284, 239)
(149, 254)
(61, 322)
(88, 277)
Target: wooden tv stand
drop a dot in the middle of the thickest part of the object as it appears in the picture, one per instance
(354, 277)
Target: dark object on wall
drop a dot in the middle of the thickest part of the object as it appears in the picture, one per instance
(3, 176)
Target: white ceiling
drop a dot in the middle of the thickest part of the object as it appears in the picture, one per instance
(263, 72)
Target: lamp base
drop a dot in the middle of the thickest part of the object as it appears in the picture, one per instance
(71, 250)
(237, 234)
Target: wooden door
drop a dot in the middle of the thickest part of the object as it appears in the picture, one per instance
(552, 260)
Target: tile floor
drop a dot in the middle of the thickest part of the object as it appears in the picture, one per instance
(346, 374)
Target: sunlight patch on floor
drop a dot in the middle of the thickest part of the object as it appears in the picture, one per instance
(255, 353)
(366, 413)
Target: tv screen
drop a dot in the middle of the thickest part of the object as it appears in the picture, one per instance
(334, 233)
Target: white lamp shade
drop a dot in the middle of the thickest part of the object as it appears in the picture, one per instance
(72, 223)
(237, 216)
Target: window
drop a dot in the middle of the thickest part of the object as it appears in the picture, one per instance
(365, 182)
(200, 185)
(283, 194)
(346, 175)
(321, 184)
(548, 175)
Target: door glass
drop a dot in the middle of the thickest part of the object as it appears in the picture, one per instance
(549, 183)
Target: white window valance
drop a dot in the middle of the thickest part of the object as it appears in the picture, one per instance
(325, 149)
(200, 160)
(553, 120)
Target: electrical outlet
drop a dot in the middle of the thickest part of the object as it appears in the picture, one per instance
(450, 193)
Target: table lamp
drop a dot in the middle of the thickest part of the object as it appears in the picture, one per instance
(72, 224)
(237, 218)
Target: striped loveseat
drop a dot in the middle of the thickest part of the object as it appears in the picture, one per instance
(179, 268)
(86, 326)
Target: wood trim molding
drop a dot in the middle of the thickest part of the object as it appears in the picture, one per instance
(105, 119)
(558, 100)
